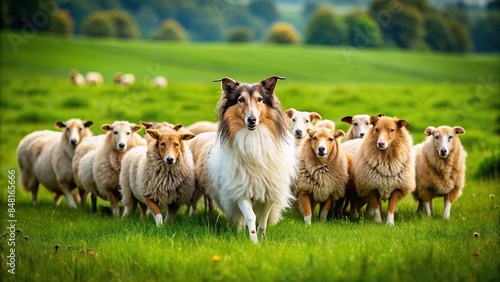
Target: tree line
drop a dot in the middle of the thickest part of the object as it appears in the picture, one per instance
(387, 23)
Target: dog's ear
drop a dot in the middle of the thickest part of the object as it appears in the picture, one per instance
(187, 136)
(177, 127)
(339, 134)
(146, 124)
(429, 130)
(381, 115)
(106, 127)
(347, 119)
(402, 123)
(314, 116)
(155, 133)
(290, 112)
(311, 132)
(374, 119)
(60, 124)
(88, 123)
(135, 127)
(270, 83)
(458, 130)
(228, 85)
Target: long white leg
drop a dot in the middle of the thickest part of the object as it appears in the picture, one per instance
(158, 219)
(427, 208)
(390, 219)
(70, 199)
(447, 209)
(246, 209)
(376, 215)
(263, 219)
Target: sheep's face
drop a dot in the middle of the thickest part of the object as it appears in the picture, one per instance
(122, 134)
(360, 124)
(324, 142)
(386, 130)
(301, 121)
(443, 138)
(170, 145)
(74, 130)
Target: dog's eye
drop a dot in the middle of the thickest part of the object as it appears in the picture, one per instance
(355, 124)
(436, 136)
(449, 138)
(162, 144)
(330, 139)
(392, 129)
(115, 132)
(80, 129)
(241, 100)
(314, 138)
(307, 121)
(176, 144)
(293, 119)
(376, 129)
(128, 133)
(260, 100)
(367, 123)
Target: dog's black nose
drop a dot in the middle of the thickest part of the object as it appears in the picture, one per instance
(121, 145)
(321, 149)
(443, 152)
(298, 132)
(252, 120)
(170, 161)
(73, 141)
(361, 135)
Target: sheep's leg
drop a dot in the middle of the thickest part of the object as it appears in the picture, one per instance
(83, 197)
(338, 208)
(420, 208)
(172, 210)
(66, 189)
(143, 210)
(264, 216)
(323, 213)
(155, 210)
(114, 202)
(246, 209)
(393, 204)
(210, 202)
(130, 207)
(375, 204)
(194, 201)
(93, 200)
(32, 185)
(57, 199)
(305, 207)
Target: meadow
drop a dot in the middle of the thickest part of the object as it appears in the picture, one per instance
(62, 244)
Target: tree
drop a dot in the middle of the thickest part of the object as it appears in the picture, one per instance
(362, 30)
(493, 5)
(325, 28)
(282, 33)
(460, 38)
(438, 35)
(62, 23)
(99, 24)
(171, 30)
(240, 34)
(485, 33)
(264, 9)
(125, 24)
(309, 8)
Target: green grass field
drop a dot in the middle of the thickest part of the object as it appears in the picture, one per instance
(423, 88)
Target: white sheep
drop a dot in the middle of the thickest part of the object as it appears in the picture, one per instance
(299, 122)
(325, 123)
(202, 126)
(121, 136)
(440, 168)
(159, 82)
(359, 126)
(76, 78)
(45, 157)
(94, 78)
(160, 175)
(125, 79)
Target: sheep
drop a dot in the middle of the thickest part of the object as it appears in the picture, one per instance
(325, 123)
(162, 126)
(359, 126)
(125, 79)
(159, 175)
(300, 122)
(94, 78)
(200, 147)
(45, 157)
(76, 78)
(384, 166)
(440, 168)
(159, 82)
(202, 126)
(121, 136)
(323, 172)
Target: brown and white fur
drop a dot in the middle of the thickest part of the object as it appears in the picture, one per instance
(360, 124)
(121, 136)
(252, 162)
(384, 165)
(440, 168)
(159, 176)
(323, 172)
(45, 157)
(301, 121)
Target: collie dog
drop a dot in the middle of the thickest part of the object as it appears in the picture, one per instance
(252, 162)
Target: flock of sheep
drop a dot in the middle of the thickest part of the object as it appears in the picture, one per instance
(166, 168)
(127, 79)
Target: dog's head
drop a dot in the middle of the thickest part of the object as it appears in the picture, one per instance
(360, 124)
(324, 142)
(171, 144)
(301, 121)
(386, 130)
(75, 130)
(122, 134)
(444, 138)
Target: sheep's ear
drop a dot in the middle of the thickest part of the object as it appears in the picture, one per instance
(429, 130)
(314, 116)
(374, 119)
(310, 132)
(187, 136)
(458, 130)
(381, 115)
(146, 124)
(228, 84)
(106, 127)
(155, 133)
(60, 124)
(135, 127)
(402, 123)
(347, 119)
(290, 112)
(270, 83)
(177, 127)
(339, 134)
(88, 123)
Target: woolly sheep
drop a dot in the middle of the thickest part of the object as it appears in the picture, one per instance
(162, 126)
(360, 124)
(125, 79)
(323, 172)
(45, 157)
(121, 136)
(159, 175)
(384, 167)
(202, 126)
(76, 78)
(300, 122)
(159, 82)
(440, 168)
(94, 78)
(325, 123)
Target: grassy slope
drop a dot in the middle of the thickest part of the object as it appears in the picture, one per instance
(425, 89)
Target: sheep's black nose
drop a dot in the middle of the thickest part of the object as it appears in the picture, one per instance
(298, 132)
(121, 145)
